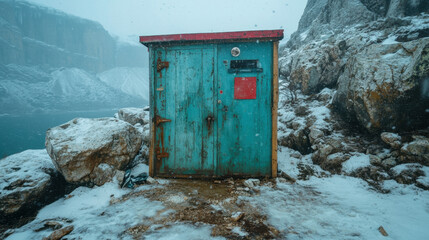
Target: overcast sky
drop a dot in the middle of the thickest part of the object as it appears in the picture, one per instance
(151, 17)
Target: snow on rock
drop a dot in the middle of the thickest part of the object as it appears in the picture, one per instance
(132, 81)
(93, 212)
(378, 80)
(417, 150)
(411, 173)
(392, 139)
(134, 116)
(82, 149)
(356, 162)
(25, 180)
(252, 182)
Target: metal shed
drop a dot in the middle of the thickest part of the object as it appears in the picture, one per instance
(213, 104)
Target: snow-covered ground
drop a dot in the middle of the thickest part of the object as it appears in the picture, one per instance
(329, 207)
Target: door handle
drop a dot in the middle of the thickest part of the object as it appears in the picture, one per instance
(209, 120)
(159, 120)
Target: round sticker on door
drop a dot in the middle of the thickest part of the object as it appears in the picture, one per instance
(235, 51)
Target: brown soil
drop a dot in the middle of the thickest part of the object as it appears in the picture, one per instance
(206, 202)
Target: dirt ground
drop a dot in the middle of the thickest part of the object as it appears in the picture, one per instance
(214, 202)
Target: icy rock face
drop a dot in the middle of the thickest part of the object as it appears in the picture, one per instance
(69, 42)
(92, 151)
(26, 179)
(380, 86)
(377, 61)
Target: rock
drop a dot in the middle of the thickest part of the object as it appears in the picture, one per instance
(315, 134)
(389, 162)
(28, 180)
(237, 216)
(297, 155)
(380, 87)
(106, 173)
(374, 160)
(333, 162)
(324, 149)
(78, 147)
(134, 116)
(150, 180)
(284, 176)
(417, 150)
(407, 173)
(58, 234)
(392, 139)
(316, 67)
(252, 182)
(297, 140)
(53, 224)
(382, 231)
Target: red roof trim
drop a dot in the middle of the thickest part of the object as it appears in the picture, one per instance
(266, 34)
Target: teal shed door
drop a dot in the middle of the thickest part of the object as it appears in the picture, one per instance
(213, 110)
(244, 120)
(184, 100)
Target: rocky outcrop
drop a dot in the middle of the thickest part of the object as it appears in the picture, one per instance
(34, 35)
(376, 60)
(381, 87)
(27, 181)
(92, 151)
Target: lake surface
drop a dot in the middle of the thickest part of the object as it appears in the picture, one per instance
(22, 132)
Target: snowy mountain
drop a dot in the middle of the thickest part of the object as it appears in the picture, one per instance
(49, 60)
(132, 81)
(63, 89)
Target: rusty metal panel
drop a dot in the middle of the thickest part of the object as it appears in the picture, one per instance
(245, 88)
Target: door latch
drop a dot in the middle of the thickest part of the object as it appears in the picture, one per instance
(209, 120)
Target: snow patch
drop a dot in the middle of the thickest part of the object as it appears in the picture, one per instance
(92, 214)
(356, 162)
(182, 232)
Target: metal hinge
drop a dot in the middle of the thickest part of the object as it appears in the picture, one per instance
(161, 65)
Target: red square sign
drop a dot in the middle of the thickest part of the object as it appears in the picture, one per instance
(245, 88)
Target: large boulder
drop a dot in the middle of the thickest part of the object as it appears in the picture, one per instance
(82, 149)
(134, 115)
(27, 181)
(384, 86)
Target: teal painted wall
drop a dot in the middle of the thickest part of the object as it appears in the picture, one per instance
(197, 85)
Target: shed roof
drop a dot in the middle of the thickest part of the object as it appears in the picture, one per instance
(219, 36)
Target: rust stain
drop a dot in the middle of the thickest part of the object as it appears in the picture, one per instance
(161, 65)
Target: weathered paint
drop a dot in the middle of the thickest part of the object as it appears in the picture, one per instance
(244, 126)
(246, 35)
(200, 128)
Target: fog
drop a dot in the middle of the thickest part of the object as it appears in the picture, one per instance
(144, 17)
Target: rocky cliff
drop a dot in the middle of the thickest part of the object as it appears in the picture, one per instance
(34, 35)
(51, 61)
(373, 52)
(354, 90)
